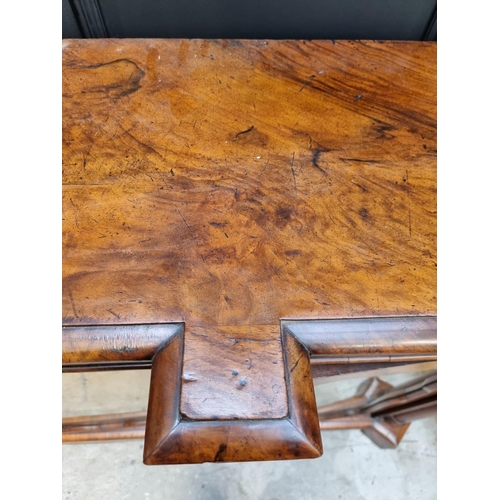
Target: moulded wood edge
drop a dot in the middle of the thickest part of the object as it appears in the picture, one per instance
(172, 439)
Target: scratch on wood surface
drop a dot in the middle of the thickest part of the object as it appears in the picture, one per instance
(72, 303)
(360, 186)
(296, 363)
(293, 173)
(275, 271)
(189, 228)
(409, 201)
(145, 146)
(243, 132)
(113, 313)
(199, 334)
(248, 339)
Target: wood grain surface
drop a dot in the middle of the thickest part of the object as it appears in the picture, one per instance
(228, 185)
(235, 183)
(249, 382)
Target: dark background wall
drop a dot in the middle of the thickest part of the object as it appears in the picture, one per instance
(278, 19)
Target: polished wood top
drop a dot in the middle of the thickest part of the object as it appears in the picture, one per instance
(231, 184)
(242, 182)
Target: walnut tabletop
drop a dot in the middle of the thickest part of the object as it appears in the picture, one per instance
(232, 209)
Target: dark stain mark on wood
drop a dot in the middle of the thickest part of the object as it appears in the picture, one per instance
(293, 252)
(220, 255)
(316, 158)
(283, 216)
(252, 136)
(382, 130)
(243, 132)
(127, 76)
(220, 453)
(358, 160)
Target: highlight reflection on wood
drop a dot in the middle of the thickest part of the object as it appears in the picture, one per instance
(242, 194)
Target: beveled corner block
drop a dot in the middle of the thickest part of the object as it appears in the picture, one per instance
(173, 438)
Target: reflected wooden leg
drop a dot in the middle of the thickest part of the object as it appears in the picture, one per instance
(383, 412)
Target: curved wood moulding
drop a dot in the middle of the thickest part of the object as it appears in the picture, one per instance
(269, 414)
(121, 347)
(362, 341)
(172, 437)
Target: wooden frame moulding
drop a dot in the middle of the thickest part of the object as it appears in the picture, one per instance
(175, 436)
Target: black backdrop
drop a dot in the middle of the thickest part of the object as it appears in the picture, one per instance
(274, 19)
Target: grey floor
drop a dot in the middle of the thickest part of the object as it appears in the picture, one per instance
(351, 468)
